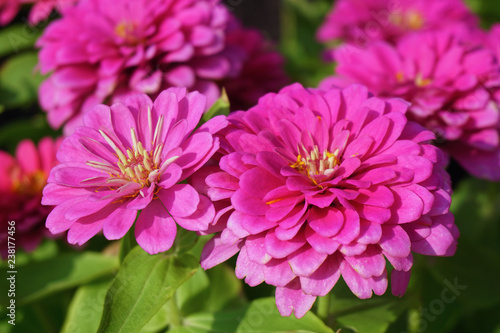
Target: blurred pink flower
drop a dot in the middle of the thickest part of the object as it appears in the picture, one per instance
(8, 10)
(101, 51)
(360, 22)
(132, 157)
(262, 71)
(317, 184)
(22, 179)
(453, 86)
(40, 11)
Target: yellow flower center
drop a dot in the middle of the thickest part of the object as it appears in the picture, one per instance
(31, 184)
(317, 166)
(128, 31)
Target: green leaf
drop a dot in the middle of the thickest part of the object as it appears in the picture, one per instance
(85, 309)
(142, 286)
(36, 280)
(17, 38)
(259, 316)
(19, 81)
(372, 315)
(214, 290)
(220, 107)
(159, 321)
(368, 316)
(33, 128)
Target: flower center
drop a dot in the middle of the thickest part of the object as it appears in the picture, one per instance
(136, 164)
(317, 166)
(31, 184)
(128, 31)
(412, 20)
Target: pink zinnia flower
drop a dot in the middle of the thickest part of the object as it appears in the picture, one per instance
(132, 157)
(322, 184)
(453, 86)
(104, 50)
(40, 11)
(22, 179)
(262, 71)
(360, 22)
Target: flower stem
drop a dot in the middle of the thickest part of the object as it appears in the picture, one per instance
(174, 314)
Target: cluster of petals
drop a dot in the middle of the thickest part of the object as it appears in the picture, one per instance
(41, 10)
(262, 71)
(452, 83)
(101, 51)
(312, 185)
(22, 178)
(130, 157)
(361, 22)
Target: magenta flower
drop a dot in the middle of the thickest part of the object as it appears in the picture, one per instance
(105, 50)
(8, 10)
(262, 71)
(22, 179)
(314, 185)
(360, 22)
(132, 157)
(40, 11)
(452, 84)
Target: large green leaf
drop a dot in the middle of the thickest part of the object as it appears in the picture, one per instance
(142, 286)
(372, 315)
(260, 316)
(19, 80)
(17, 38)
(39, 279)
(212, 291)
(86, 307)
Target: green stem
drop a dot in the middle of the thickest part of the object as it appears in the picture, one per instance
(324, 307)
(174, 314)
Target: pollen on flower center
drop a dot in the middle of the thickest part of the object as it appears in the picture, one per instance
(412, 20)
(28, 184)
(135, 164)
(315, 165)
(127, 31)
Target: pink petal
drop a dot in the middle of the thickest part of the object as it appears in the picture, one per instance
(326, 222)
(323, 279)
(180, 200)
(292, 299)
(306, 261)
(399, 282)
(155, 229)
(117, 225)
(215, 252)
(201, 218)
(248, 269)
(395, 241)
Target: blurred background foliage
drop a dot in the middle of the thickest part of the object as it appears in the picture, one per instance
(63, 288)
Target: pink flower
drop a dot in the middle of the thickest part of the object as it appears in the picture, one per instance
(132, 157)
(105, 50)
(262, 71)
(314, 185)
(22, 179)
(453, 86)
(40, 11)
(8, 10)
(360, 22)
